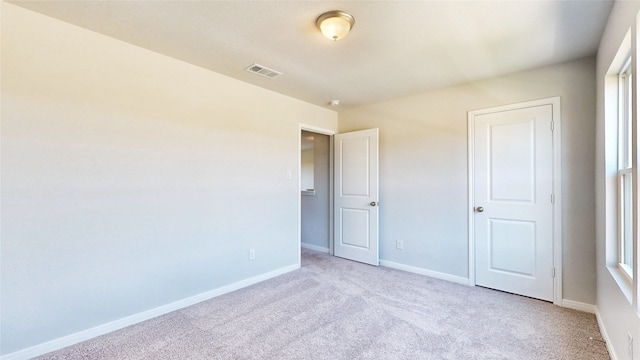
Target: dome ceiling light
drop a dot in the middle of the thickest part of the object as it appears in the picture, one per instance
(335, 24)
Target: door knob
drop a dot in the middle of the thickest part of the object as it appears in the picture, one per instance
(373, 203)
(479, 209)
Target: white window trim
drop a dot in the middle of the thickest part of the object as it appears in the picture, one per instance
(618, 272)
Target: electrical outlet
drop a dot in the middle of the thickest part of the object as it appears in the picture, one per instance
(630, 344)
(252, 254)
(399, 245)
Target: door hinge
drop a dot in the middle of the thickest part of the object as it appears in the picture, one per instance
(552, 125)
(553, 272)
(553, 198)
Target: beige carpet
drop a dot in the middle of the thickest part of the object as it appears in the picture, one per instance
(339, 309)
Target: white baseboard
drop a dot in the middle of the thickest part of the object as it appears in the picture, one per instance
(605, 336)
(576, 305)
(315, 248)
(84, 335)
(421, 271)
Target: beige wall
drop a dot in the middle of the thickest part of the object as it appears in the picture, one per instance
(423, 168)
(618, 315)
(131, 180)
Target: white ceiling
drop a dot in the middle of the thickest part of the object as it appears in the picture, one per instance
(396, 48)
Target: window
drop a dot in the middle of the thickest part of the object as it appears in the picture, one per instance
(625, 171)
(621, 176)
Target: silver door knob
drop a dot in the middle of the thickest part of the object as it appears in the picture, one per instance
(479, 209)
(373, 203)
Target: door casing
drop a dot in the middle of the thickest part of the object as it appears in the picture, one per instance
(557, 189)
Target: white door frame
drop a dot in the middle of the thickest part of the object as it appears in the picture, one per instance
(557, 188)
(330, 133)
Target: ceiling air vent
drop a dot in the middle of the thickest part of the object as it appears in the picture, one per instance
(263, 71)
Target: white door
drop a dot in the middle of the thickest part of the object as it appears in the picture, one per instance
(356, 196)
(513, 186)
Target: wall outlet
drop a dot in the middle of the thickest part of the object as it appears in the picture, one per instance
(399, 244)
(252, 254)
(630, 345)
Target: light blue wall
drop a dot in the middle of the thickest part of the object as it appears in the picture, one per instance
(131, 180)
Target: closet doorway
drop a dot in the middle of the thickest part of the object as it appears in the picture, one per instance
(315, 191)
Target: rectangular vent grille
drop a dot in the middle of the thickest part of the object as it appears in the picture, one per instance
(263, 71)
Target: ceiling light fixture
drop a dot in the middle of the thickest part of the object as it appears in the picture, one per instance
(335, 24)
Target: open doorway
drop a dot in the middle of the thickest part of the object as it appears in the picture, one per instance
(315, 194)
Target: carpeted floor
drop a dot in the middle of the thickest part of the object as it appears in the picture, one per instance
(337, 309)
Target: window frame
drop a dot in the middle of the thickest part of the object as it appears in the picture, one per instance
(625, 169)
(626, 208)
